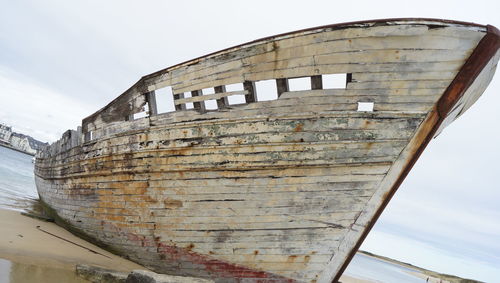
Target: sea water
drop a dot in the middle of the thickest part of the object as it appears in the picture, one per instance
(376, 270)
(17, 184)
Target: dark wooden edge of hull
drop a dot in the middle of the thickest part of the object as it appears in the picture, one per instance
(481, 55)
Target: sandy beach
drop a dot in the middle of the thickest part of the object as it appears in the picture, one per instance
(23, 242)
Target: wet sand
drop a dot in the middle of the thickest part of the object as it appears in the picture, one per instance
(22, 242)
(14, 272)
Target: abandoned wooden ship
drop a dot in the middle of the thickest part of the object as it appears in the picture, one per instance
(281, 190)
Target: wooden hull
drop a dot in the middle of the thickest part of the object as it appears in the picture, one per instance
(271, 191)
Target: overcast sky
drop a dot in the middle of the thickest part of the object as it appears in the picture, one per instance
(62, 60)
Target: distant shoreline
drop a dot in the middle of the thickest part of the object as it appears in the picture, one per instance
(426, 272)
(16, 149)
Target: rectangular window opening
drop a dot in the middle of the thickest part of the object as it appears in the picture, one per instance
(236, 99)
(298, 84)
(165, 100)
(365, 106)
(143, 113)
(206, 91)
(211, 104)
(266, 90)
(89, 136)
(338, 81)
(234, 87)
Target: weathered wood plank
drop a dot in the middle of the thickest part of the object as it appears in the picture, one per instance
(403, 76)
(269, 235)
(215, 80)
(398, 33)
(233, 163)
(217, 95)
(199, 191)
(203, 69)
(313, 209)
(233, 224)
(352, 68)
(363, 92)
(283, 126)
(439, 84)
(230, 193)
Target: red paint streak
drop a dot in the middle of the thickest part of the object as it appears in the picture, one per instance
(218, 267)
(215, 267)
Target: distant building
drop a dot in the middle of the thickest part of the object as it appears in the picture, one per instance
(5, 133)
(19, 141)
(22, 143)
